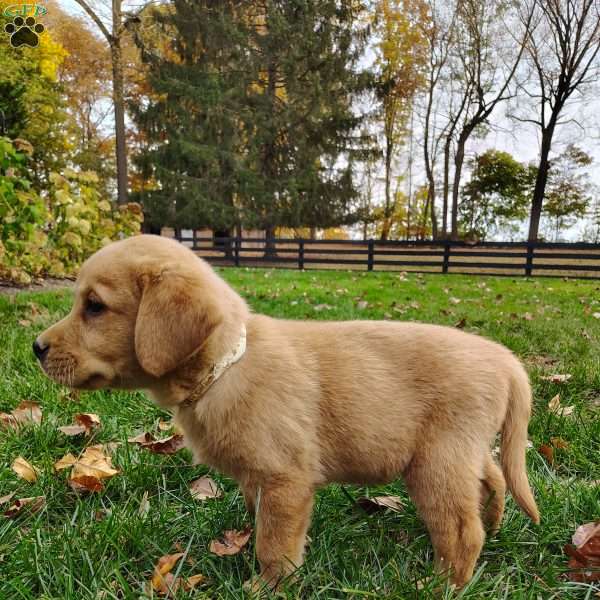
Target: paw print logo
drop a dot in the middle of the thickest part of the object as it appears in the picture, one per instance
(24, 32)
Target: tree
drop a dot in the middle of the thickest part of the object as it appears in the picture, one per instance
(489, 56)
(568, 189)
(84, 77)
(114, 37)
(401, 52)
(563, 48)
(31, 105)
(250, 120)
(497, 196)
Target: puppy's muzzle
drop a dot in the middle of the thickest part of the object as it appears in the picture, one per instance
(40, 350)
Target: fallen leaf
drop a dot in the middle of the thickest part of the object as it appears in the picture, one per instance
(528, 316)
(165, 425)
(72, 430)
(379, 503)
(204, 488)
(191, 582)
(144, 508)
(461, 324)
(31, 505)
(7, 498)
(88, 470)
(557, 378)
(558, 409)
(24, 470)
(24, 323)
(68, 460)
(86, 423)
(547, 452)
(559, 443)
(85, 483)
(168, 445)
(554, 404)
(454, 300)
(362, 304)
(160, 582)
(596, 315)
(585, 554)
(142, 438)
(320, 307)
(27, 412)
(231, 542)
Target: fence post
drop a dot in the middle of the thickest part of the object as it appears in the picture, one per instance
(446, 262)
(301, 254)
(236, 251)
(529, 260)
(370, 256)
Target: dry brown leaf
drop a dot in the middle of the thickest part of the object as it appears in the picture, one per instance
(168, 445)
(142, 438)
(191, 582)
(86, 423)
(73, 430)
(68, 460)
(547, 452)
(558, 409)
(231, 542)
(7, 498)
(557, 377)
(95, 463)
(461, 324)
(26, 412)
(25, 470)
(144, 508)
(165, 425)
(161, 582)
(30, 505)
(585, 554)
(24, 322)
(204, 488)
(82, 484)
(379, 503)
(454, 300)
(88, 470)
(559, 443)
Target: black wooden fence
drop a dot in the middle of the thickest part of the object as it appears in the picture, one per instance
(580, 260)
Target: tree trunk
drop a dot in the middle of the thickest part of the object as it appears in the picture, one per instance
(540, 184)
(270, 248)
(446, 186)
(459, 159)
(387, 211)
(119, 106)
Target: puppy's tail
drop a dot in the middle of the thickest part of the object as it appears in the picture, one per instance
(514, 444)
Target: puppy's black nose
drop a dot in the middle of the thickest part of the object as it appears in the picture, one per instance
(39, 350)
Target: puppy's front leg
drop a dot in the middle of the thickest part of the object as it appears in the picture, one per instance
(284, 508)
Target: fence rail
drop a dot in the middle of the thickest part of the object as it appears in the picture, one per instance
(580, 260)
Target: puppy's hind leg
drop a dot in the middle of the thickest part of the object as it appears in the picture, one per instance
(446, 491)
(493, 491)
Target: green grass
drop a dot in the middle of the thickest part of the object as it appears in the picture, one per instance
(67, 552)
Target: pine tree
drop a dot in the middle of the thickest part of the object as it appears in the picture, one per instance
(251, 119)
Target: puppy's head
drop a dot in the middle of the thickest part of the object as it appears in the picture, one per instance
(143, 306)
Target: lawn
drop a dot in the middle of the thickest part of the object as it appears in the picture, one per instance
(102, 546)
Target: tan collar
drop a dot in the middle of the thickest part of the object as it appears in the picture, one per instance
(217, 370)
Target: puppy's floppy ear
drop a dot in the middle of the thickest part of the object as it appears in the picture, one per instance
(174, 319)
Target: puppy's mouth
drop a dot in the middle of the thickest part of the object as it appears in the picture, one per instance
(61, 369)
(64, 370)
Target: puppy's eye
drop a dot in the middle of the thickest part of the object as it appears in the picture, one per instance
(94, 307)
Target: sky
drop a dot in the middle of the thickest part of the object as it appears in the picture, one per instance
(520, 140)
